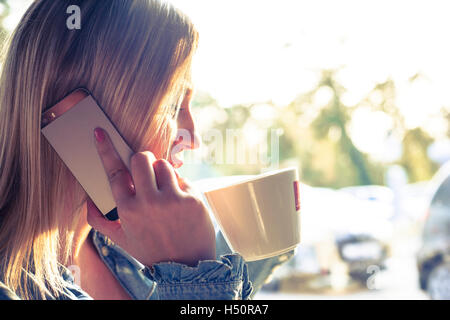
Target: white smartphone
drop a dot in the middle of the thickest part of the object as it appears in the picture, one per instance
(69, 128)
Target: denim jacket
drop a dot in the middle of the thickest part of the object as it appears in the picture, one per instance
(228, 277)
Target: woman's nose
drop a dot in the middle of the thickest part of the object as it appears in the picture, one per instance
(197, 142)
(189, 139)
(187, 134)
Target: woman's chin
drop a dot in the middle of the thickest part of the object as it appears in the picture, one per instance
(176, 162)
(178, 165)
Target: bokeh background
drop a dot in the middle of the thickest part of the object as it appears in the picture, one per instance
(359, 96)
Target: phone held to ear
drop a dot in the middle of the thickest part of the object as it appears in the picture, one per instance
(69, 128)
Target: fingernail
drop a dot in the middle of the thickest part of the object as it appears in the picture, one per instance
(99, 134)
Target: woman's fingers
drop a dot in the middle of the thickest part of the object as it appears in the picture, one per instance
(121, 182)
(184, 184)
(143, 174)
(166, 177)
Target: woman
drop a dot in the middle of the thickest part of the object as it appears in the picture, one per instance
(135, 58)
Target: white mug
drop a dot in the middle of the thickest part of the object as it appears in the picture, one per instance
(260, 216)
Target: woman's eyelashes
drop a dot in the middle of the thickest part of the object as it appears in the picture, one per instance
(177, 107)
(176, 110)
(178, 104)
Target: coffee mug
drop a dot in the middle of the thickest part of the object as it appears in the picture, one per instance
(259, 216)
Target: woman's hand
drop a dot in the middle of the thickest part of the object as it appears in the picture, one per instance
(160, 218)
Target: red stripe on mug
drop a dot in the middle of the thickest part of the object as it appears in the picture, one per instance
(297, 195)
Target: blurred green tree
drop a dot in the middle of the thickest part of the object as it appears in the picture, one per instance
(415, 141)
(415, 159)
(315, 137)
(4, 12)
(336, 116)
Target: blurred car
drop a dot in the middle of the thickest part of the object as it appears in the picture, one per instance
(343, 236)
(378, 194)
(433, 258)
(407, 202)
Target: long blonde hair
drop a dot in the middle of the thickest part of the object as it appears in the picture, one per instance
(132, 55)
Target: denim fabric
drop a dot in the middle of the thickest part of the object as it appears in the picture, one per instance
(127, 270)
(226, 278)
(259, 271)
(6, 294)
(223, 279)
(72, 291)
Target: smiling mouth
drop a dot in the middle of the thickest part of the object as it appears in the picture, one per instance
(176, 154)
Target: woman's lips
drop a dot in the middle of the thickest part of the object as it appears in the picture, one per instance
(176, 153)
